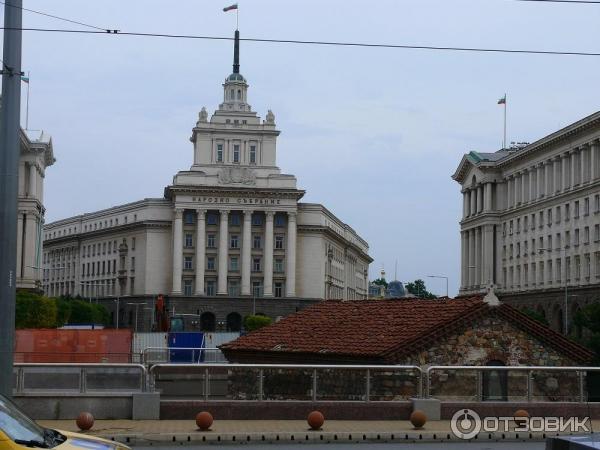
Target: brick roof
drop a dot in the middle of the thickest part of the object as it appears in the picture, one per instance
(383, 330)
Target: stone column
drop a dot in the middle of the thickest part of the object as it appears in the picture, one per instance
(32, 180)
(517, 188)
(200, 251)
(477, 258)
(19, 243)
(177, 251)
(509, 194)
(574, 173)
(524, 186)
(463, 259)
(479, 199)
(583, 164)
(565, 174)
(532, 184)
(473, 196)
(556, 176)
(470, 259)
(290, 267)
(487, 204)
(268, 280)
(223, 253)
(29, 250)
(488, 263)
(465, 204)
(547, 178)
(540, 180)
(594, 149)
(246, 252)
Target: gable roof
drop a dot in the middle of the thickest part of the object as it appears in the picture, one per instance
(384, 330)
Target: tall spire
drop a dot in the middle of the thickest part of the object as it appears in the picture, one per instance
(236, 52)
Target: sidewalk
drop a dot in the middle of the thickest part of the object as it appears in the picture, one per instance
(147, 432)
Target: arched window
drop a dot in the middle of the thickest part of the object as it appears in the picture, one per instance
(207, 322)
(239, 97)
(494, 382)
(234, 322)
(557, 319)
(232, 96)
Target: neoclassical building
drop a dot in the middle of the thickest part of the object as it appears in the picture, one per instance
(531, 221)
(36, 155)
(230, 226)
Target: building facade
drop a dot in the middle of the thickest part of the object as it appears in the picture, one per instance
(36, 155)
(531, 221)
(232, 225)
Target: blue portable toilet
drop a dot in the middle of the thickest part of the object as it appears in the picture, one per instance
(183, 340)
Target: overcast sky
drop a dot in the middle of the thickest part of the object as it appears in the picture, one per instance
(373, 134)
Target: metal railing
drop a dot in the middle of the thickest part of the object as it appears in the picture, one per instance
(529, 371)
(299, 382)
(36, 378)
(165, 355)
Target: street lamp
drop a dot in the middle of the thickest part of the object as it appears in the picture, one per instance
(565, 315)
(440, 276)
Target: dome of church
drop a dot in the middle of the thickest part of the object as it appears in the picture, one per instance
(236, 77)
(395, 289)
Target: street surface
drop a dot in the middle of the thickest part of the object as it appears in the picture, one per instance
(423, 446)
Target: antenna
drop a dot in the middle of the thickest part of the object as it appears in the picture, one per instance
(396, 271)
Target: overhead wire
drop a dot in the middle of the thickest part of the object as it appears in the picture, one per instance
(324, 43)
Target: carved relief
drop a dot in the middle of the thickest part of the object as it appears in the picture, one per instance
(237, 175)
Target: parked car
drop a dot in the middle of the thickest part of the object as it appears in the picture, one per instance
(18, 432)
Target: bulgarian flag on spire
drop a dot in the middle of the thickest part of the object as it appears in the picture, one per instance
(502, 101)
(229, 8)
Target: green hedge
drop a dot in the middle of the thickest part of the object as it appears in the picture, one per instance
(37, 311)
(252, 323)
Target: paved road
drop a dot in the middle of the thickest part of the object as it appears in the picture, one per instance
(424, 446)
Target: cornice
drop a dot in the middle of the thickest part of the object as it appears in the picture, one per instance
(146, 224)
(232, 192)
(319, 229)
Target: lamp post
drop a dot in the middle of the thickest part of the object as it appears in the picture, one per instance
(565, 315)
(440, 276)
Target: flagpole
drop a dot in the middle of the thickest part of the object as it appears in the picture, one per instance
(27, 105)
(504, 142)
(237, 18)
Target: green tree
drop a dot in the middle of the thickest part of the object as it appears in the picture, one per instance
(252, 323)
(535, 316)
(419, 289)
(381, 282)
(34, 311)
(587, 320)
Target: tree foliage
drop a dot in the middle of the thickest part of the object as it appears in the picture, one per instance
(381, 282)
(588, 320)
(535, 316)
(252, 323)
(38, 311)
(419, 289)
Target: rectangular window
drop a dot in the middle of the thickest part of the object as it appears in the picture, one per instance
(557, 215)
(518, 249)
(549, 242)
(568, 268)
(533, 246)
(257, 220)
(525, 248)
(187, 288)
(187, 263)
(210, 263)
(586, 235)
(211, 241)
(212, 219)
(278, 290)
(236, 153)
(233, 264)
(533, 221)
(279, 220)
(104, 248)
(549, 216)
(596, 233)
(278, 266)
(219, 152)
(253, 154)
(541, 219)
(234, 220)
(577, 267)
(279, 242)
(114, 246)
(525, 223)
(234, 241)
(558, 269)
(567, 211)
(567, 238)
(104, 267)
(586, 267)
(597, 264)
(597, 203)
(557, 242)
(257, 290)
(132, 243)
(110, 247)
(188, 240)
(549, 270)
(233, 288)
(518, 225)
(188, 217)
(256, 265)
(576, 212)
(586, 206)
(210, 287)
(257, 241)
(576, 237)
(510, 228)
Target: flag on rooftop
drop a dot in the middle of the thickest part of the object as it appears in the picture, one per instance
(502, 101)
(229, 8)
(25, 79)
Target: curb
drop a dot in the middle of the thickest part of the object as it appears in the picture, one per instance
(214, 437)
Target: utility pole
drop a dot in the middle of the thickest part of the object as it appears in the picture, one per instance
(10, 128)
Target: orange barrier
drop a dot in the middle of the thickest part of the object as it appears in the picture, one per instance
(78, 346)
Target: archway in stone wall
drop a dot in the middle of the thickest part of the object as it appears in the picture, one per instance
(234, 322)
(208, 322)
(557, 319)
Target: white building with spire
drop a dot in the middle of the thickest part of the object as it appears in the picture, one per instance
(231, 225)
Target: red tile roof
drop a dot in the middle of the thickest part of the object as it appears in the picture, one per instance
(383, 330)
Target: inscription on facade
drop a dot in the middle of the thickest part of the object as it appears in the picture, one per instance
(237, 200)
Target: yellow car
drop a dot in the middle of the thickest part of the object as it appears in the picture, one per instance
(18, 432)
